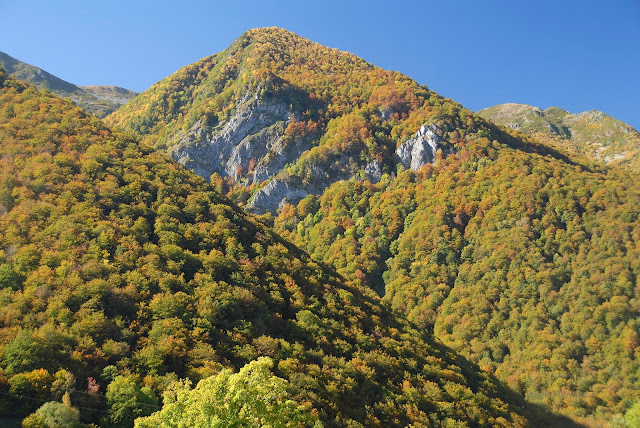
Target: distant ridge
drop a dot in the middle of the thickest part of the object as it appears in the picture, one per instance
(99, 100)
(592, 133)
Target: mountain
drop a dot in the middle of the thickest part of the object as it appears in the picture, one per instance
(99, 100)
(519, 252)
(590, 133)
(114, 94)
(121, 271)
(524, 263)
(286, 117)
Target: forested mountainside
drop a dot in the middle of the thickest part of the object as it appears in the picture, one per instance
(527, 264)
(121, 272)
(286, 117)
(520, 253)
(99, 100)
(590, 133)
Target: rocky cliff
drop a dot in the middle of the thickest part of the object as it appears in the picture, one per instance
(421, 149)
(249, 145)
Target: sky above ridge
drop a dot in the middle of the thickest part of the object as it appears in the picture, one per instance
(577, 55)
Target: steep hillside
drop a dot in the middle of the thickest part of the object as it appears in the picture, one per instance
(590, 133)
(287, 117)
(527, 264)
(122, 271)
(519, 254)
(99, 100)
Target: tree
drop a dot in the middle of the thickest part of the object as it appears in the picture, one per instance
(8, 277)
(253, 397)
(54, 414)
(128, 400)
(632, 417)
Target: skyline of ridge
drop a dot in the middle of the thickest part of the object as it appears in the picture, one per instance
(577, 58)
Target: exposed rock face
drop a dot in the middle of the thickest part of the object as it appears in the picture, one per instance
(421, 149)
(274, 195)
(373, 171)
(293, 189)
(413, 153)
(249, 144)
(385, 113)
(280, 154)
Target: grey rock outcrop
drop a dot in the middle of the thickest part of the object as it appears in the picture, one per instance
(373, 171)
(318, 176)
(280, 154)
(274, 195)
(249, 146)
(413, 153)
(421, 148)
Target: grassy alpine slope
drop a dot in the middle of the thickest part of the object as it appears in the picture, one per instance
(590, 133)
(99, 100)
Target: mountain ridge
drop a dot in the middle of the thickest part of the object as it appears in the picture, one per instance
(591, 133)
(94, 99)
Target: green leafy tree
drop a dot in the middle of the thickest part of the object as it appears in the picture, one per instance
(128, 400)
(632, 417)
(8, 277)
(253, 397)
(54, 414)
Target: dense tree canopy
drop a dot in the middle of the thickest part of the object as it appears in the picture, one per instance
(527, 264)
(124, 277)
(123, 272)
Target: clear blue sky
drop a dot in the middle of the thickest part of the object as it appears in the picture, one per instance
(577, 55)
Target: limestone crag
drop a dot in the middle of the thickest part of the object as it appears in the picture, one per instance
(280, 154)
(413, 153)
(421, 149)
(274, 194)
(292, 188)
(373, 171)
(251, 138)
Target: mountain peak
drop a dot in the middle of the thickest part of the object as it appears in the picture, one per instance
(275, 107)
(276, 48)
(262, 32)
